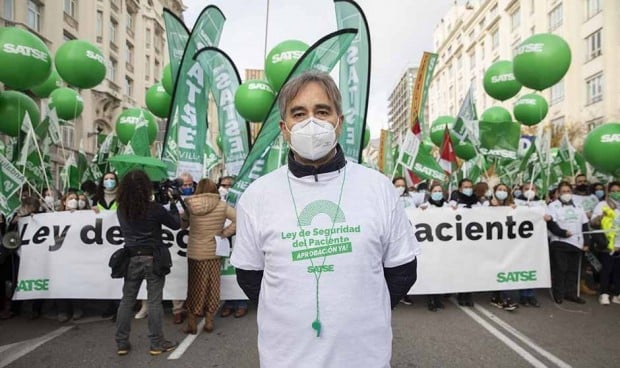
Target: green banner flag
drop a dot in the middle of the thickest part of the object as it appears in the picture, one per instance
(386, 156)
(418, 160)
(277, 155)
(223, 80)
(323, 55)
(34, 159)
(354, 79)
(499, 140)
(187, 126)
(466, 119)
(177, 35)
(211, 159)
(11, 180)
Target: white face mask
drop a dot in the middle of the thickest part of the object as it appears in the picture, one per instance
(49, 201)
(529, 194)
(489, 193)
(400, 190)
(81, 204)
(72, 204)
(566, 197)
(223, 192)
(313, 138)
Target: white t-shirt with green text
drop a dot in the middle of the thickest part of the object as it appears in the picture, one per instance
(370, 231)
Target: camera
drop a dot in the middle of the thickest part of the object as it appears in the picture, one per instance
(167, 189)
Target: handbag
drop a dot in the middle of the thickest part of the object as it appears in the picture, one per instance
(162, 261)
(119, 262)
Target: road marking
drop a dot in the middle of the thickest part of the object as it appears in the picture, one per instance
(526, 340)
(187, 341)
(501, 337)
(24, 347)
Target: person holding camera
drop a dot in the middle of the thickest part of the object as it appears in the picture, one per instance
(141, 221)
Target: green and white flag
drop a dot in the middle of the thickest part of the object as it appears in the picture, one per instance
(466, 119)
(223, 80)
(499, 140)
(177, 35)
(187, 127)
(323, 55)
(11, 180)
(418, 160)
(277, 155)
(211, 159)
(354, 79)
(69, 175)
(34, 160)
(385, 152)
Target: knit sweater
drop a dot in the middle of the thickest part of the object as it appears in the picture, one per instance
(205, 216)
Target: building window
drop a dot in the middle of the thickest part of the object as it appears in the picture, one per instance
(495, 39)
(472, 61)
(128, 86)
(515, 46)
(99, 25)
(493, 11)
(481, 23)
(129, 53)
(532, 30)
(113, 68)
(594, 89)
(8, 9)
(113, 30)
(148, 38)
(593, 45)
(67, 134)
(482, 51)
(593, 7)
(459, 63)
(71, 8)
(156, 71)
(34, 15)
(555, 18)
(147, 67)
(557, 92)
(66, 36)
(557, 123)
(515, 19)
(591, 124)
(472, 35)
(532, 6)
(130, 22)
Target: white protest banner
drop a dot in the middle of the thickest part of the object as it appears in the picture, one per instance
(480, 249)
(65, 255)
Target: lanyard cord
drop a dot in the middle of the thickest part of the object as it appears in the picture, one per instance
(316, 324)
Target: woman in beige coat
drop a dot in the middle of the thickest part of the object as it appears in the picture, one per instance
(205, 216)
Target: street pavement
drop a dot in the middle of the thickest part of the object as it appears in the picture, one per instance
(566, 335)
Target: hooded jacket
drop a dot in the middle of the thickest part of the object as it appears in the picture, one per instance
(205, 216)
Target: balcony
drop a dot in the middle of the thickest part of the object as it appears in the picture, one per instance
(70, 21)
(113, 47)
(129, 67)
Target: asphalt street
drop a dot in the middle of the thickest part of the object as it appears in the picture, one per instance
(567, 335)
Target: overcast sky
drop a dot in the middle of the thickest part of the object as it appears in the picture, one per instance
(400, 31)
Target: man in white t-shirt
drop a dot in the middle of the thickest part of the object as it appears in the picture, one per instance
(322, 243)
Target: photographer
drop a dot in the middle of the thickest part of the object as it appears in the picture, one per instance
(141, 221)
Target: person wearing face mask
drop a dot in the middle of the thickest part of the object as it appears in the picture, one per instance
(517, 192)
(50, 202)
(606, 216)
(567, 227)
(400, 185)
(105, 198)
(582, 197)
(483, 192)
(223, 186)
(301, 283)
(436, 199)
(83, 202)
(502, 197)
(598, 189)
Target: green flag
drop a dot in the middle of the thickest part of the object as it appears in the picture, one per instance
(223, 80)
(465, 120)
(11, 180)
(323, 55)
(277, 155)
(187, 126)
(418, 160)
(177, 35)
(386, 157)
(354, 79)
(211, 159)
(499, 140)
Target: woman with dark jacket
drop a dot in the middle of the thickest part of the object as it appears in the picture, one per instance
(105, 197)
(141, 220)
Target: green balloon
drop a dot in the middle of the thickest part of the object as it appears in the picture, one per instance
(67, 102)
(530, 109)
(499, 82)
(25, 60)
(253, 99)
(465, 151)
(44, 89)
(158, 100)
(80, 63)
(496, 114)
(281, 60)
(438, 127)
(13, 107)
(541, 61)
(166, 79)
(366, 139)
(126, 124)
(601, 148)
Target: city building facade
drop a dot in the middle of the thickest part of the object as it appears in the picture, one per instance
(399, 105)
(475, 34)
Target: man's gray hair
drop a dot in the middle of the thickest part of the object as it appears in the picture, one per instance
(294, 85)
(186, 175)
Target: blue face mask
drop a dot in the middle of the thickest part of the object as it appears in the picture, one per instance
(187, 191)
(109, 183)
(517, 193)
(468, 191)
(600, 194)
(437, 196)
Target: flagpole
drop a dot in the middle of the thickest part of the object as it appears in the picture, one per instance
(266, 31)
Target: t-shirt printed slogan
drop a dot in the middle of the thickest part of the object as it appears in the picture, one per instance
(308, 243)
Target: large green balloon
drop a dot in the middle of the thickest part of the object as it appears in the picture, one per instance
(496, 114)
(253, 99)
(166, 79)
(80, 63)
(25, 60)
(44, 89)
(541, 61)
(499, 82)
(126, 124)
(158, 100)
(281, 60)
(438, 127)
(13, 107)
(601, 148)
(67, 102)
(464, 150)
(530, 109)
